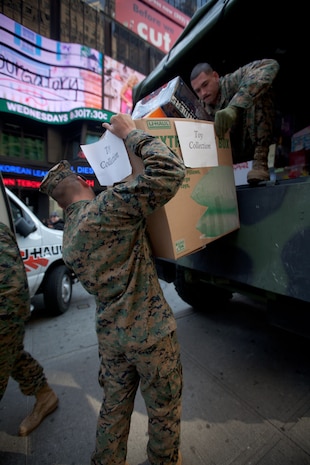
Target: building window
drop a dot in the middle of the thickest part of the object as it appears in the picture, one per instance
(131, 50)
(188, 7)
(17, 143)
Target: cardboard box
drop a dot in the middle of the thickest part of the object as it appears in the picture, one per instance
(205, 207)
(172, 100)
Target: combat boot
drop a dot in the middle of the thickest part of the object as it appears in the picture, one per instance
(46, 403)
(259, 171)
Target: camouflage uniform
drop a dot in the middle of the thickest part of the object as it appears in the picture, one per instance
(14, 311)
(250, 89)
(106, 244)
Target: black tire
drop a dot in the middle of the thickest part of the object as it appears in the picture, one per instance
(197, 293)
(58, 290)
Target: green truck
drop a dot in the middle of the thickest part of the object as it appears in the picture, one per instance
(268, 258)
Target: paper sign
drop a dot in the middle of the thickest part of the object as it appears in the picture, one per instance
(197, 142)
(108, 158)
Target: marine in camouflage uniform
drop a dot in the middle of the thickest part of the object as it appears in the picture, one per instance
(248, 93)
(106, 244)
(14, 311)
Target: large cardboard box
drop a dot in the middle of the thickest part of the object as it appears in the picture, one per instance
(205, 207)
(173, 100)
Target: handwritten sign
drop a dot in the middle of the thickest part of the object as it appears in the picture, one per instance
(108, 158)
(197, 142)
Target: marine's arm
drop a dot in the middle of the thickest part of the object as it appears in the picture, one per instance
(163, 170)
(250, 81)
(241, 89)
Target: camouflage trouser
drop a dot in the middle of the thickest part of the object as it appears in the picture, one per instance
(15, 361)
(159, 371)
(255, 128)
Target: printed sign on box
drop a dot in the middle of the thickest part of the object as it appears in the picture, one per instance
(198, 145)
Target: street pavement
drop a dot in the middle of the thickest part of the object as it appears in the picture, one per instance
(246, 398)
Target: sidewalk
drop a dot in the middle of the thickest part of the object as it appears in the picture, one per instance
(246, 394)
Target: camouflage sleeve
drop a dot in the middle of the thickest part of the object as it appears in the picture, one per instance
(14, 292)
(247, 84)
(163, 172)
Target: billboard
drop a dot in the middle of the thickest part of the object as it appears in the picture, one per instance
(47, 80)
(147, 23)
(118, 82)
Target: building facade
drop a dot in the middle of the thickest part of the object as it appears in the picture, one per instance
(48, 112)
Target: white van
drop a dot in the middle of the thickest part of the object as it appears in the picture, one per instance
(41, 249)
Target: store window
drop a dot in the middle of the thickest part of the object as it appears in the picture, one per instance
(72, 149)
(91, 138)
(79, 133)
(18, 143)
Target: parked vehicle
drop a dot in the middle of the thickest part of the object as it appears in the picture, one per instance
(268, 257)
(41, 249)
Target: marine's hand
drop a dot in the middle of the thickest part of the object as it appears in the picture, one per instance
(224, 119)
(120, 125)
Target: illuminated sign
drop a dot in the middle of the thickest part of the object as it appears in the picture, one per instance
(19, 182)
(118, 82)
(29, 184)
(54, 118)
(47, 80)
(22, 170)
(12, 170)
(38, 172)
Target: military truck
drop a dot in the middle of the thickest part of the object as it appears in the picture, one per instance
(268, 257)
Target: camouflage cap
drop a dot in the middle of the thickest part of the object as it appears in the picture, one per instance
(55, 175)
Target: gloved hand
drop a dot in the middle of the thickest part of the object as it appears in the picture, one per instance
(224, 119)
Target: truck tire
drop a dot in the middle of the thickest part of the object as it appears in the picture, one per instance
(197, 293)
(57, 290)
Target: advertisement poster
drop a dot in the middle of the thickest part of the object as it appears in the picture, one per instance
(118, 82)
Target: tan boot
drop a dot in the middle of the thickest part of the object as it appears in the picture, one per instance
(179, 462)
(46, 403)
(259, 171)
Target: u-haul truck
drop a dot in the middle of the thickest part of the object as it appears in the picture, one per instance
(41, 250)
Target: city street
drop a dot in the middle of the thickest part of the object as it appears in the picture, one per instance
(246, 397)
